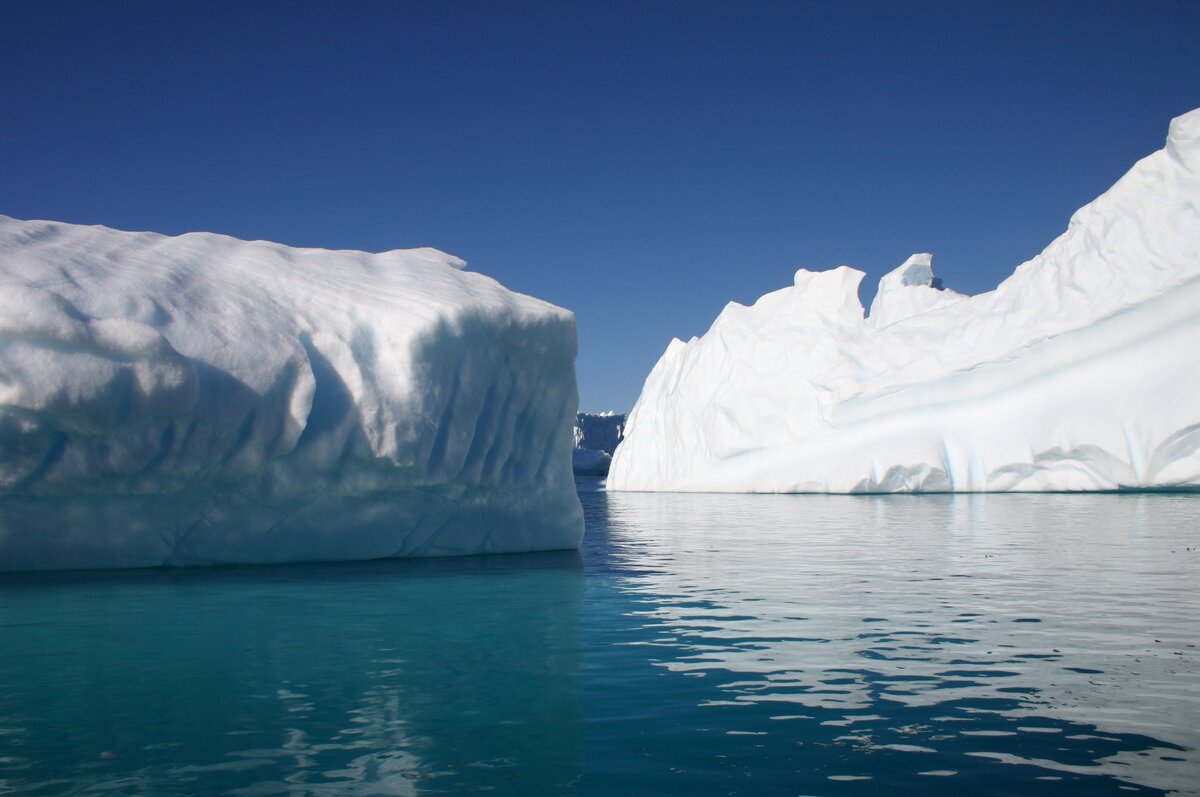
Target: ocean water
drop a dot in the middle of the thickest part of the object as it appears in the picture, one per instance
(697, 645)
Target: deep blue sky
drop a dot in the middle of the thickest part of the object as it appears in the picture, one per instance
(639, 163)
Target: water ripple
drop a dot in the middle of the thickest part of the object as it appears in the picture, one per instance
(1082, 613)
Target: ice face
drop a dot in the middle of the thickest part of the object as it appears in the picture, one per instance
(200, 399)
(590, 462)
(1077, 373)
(909, 290)
(599, 431)
(597, 436)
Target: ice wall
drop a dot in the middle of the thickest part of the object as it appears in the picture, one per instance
(1079, 372)
(600, 431)
(597, 436)
(199, 399)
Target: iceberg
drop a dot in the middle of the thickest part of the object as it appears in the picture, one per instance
(1078, 372)
(200, 399)
(597, 436)
(590, 462)
(599, 431)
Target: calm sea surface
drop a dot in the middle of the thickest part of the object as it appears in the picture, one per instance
(697, 645)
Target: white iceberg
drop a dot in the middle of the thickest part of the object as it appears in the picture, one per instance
(1079, 372)
(199, 399)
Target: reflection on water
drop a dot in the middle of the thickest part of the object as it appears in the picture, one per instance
(386, 678)
(1032, 640)
(752, 645)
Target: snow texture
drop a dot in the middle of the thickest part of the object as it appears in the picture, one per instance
(199, 399)
(1079, 372)
(597, 436)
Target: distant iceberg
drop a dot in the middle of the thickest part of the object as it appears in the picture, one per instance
(597, 436)
(199, 400)
(1079, 372)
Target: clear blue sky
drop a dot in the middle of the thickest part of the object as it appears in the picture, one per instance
(640, 163)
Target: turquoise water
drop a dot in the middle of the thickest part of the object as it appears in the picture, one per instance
(697, 645)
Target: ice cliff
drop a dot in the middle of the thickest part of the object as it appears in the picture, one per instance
(597, 436)
(1079, 372)
(200, 399)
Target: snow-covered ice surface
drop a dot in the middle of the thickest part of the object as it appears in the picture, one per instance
(200, 399)
(1079, 372)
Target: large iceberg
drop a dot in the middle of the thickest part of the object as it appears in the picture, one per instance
(200, 399)
(1079, 372)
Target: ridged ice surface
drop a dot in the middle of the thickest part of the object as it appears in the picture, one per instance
(200, 399)
(1077, 373)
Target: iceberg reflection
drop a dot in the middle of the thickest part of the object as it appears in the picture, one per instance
(384, 678)
(964, 625)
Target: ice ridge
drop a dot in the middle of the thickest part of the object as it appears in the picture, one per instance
(1078, 372)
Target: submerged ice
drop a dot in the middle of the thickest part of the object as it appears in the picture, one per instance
(1079, 372)
(200, 399)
